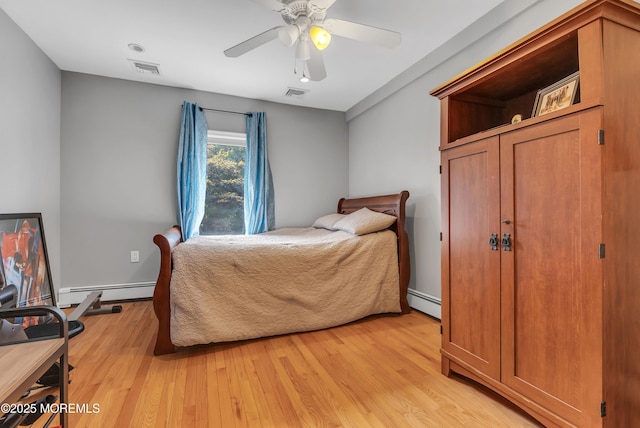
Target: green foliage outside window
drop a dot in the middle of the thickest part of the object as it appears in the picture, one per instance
(224, 203)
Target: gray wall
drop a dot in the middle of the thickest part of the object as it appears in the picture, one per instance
(30, 134)
(403, 132)
(118, 151)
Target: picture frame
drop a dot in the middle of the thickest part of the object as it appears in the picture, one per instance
(557, 96)
(24, 261)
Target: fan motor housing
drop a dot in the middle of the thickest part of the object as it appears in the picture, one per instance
(298, 8)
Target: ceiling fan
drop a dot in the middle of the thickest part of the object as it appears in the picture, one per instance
(308, 28)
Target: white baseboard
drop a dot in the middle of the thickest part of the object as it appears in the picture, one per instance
(74, 295)
(425, 303)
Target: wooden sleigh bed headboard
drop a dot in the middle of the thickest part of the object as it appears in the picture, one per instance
(394, 205)
(389, 204)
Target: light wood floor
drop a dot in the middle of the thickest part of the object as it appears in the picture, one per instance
(383, 371)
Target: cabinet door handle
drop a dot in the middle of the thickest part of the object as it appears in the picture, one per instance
(493, 241)
(506, 241)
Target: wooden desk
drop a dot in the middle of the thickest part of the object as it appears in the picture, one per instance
(22, 364)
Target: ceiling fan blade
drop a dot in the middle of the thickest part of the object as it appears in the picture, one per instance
(252, 43)
(315, 65)
(320, 4)
(362, 33)
(274, 5)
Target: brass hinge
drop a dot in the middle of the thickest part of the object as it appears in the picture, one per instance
(440, 329)
(440, 169)
(601, 137)
(603, 409)
(601, 251)
(440, 236)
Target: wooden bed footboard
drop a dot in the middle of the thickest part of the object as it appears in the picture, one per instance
(167, 241)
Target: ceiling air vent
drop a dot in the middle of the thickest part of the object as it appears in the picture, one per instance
(295, 92)
(145, 67)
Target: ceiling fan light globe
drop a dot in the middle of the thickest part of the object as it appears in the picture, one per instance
(320, 37)
(288, 35)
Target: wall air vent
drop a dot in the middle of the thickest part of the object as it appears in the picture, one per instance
(295, 92)
(145, 67)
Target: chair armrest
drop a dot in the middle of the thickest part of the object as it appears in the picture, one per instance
(40, 310)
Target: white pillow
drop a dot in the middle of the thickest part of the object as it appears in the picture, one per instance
(327, 221)
(364, 221)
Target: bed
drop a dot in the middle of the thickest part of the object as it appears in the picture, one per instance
(188, 315)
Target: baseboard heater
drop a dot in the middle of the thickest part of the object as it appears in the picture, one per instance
(68, 296)
(140, 290)
(425, 303)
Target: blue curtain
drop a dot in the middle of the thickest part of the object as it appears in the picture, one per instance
(259, 212)
(192, 169)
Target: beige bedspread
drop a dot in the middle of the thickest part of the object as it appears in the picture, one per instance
(290, 280)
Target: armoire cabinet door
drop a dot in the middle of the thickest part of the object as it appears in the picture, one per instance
(552, 277)
(470, 267)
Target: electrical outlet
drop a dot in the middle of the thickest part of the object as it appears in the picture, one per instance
(135, 256)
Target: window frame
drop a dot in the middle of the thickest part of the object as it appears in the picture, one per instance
(225, 138)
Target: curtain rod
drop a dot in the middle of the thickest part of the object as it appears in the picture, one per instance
(225, 111)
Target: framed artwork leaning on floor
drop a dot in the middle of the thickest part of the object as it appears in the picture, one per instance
(24, 262)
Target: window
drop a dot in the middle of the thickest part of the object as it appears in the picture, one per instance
(224, 203)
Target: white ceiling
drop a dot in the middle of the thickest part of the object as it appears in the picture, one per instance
(187, 39)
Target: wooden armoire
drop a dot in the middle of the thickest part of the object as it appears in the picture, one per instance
(541, 221)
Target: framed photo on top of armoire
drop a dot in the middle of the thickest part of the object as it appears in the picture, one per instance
(557, 96)
(24, 263)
